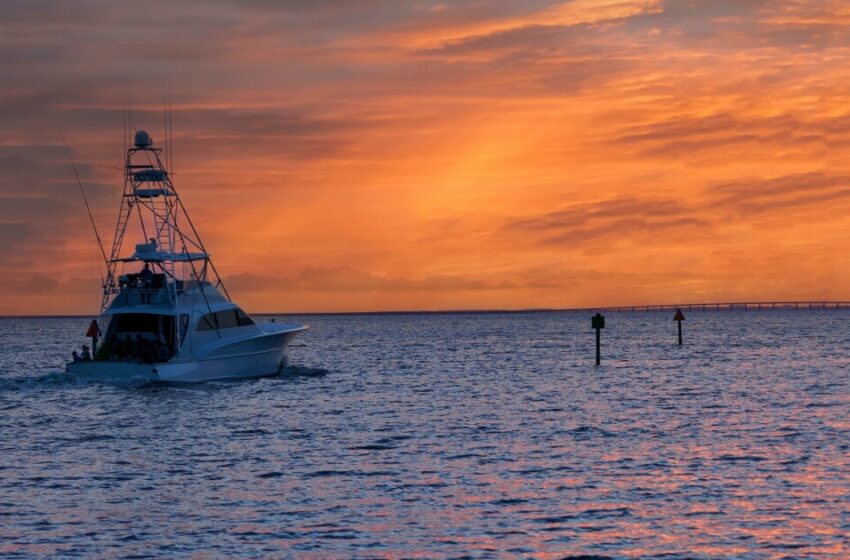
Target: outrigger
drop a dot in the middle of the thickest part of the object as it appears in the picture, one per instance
(171, 318)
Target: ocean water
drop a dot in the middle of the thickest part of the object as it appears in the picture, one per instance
(445, 436)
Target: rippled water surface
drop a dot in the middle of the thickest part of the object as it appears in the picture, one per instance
(437, 436)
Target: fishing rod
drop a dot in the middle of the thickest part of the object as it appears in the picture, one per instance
(85, 201)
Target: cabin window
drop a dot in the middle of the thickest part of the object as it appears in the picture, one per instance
(243, 318)
(209, 322)
(228, 319)
(136, 336)
(135, 323)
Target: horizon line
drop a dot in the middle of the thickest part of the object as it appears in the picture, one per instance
(713, 306)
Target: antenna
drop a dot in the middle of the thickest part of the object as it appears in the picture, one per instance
(170, 133)
(165, 131)
(85, 200)
(126, 129)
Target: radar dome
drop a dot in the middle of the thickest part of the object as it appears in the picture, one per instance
(143, 139)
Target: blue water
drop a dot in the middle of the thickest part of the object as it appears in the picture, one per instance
(445, 436)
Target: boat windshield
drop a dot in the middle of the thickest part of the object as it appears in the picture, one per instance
(227, 319)
(138, 323)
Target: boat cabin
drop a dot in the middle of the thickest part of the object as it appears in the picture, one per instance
(158, 337)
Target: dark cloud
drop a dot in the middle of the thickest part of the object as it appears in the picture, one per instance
(33, 285)
(534, 59)
(46, 13)
(702, 21)
(611, 221)
(41, 205)
(669, 221)
(555, 278)
(691, 136)
(631, 230)
(781, 194)
(13, 232)
(292, 133)
(608, 210)
(532, 39)
(29, 168)
(346, 279)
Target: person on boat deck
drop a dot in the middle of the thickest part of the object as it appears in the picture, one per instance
(86, 354)
(144, 350)
(74, 356)
(146, 275)
(160, 351)
(125, 348)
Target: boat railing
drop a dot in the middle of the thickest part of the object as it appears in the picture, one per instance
(134, 295)
(134, 289)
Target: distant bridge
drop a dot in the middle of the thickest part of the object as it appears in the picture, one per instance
(734, 306)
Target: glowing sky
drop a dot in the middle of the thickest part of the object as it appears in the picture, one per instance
(390, 154)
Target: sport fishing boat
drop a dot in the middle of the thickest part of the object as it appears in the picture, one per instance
(169, 316)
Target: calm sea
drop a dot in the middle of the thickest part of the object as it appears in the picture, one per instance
(445, 436)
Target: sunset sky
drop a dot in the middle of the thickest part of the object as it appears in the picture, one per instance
(368, 155)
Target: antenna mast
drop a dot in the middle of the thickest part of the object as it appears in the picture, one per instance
(85, 201)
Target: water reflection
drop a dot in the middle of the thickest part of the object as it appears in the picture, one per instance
(440, 436)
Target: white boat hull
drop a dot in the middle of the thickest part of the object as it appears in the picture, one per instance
(265, 355)
(174, 307)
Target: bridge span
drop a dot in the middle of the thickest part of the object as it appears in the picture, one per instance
(732, 306)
